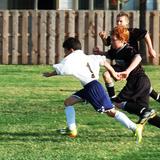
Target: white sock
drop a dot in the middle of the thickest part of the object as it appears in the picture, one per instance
(70, 117)
(123, 119)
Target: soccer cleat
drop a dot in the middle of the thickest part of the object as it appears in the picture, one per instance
(138, 133)
(67, 131)
(146, 116)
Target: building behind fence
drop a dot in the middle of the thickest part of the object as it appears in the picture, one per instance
(36, 37)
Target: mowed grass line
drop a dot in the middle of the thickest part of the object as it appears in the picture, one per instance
(31, 111)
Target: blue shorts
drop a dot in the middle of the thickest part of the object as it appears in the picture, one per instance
(96, 95)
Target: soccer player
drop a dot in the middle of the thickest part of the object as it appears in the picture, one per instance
(86, 69)
(135, 35)
(134, 97)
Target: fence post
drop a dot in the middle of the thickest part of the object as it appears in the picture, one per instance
(5, 42)
(42, 38)
(34, 37)
(156, 36)
(51, 37)
(15, 25)
(25, 54)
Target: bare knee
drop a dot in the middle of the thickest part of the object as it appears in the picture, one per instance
(67, 102)
(71, 101)
(107, 77)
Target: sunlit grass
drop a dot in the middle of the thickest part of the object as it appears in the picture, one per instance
(31, 111)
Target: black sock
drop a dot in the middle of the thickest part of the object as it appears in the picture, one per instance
(133, 108)
(155, 95)
(110, 89)
(155, 121)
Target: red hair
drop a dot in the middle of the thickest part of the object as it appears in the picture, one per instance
(121, 33)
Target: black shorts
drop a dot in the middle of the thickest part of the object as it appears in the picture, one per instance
(136, 90)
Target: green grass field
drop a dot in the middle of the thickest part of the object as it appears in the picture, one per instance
(31, 110)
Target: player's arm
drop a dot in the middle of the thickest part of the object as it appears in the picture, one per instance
(50, 74)
(148, 41)
(106, 40)
(136, 61)
(110, 69)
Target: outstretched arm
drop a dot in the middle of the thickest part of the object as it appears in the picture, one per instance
(105, 39)
(111, 70)
(148, 41)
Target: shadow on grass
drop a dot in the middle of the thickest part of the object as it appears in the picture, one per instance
(54, 136)
(32, 136)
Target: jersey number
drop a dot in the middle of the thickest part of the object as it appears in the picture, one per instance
(92, 74)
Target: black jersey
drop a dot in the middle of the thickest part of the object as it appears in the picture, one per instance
(135, 35)
(123, 57)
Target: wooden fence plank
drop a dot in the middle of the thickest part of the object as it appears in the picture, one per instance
(107, 25)
(42, 38)
(134, 19)
(25, 37)
(113, 20)
(5, 42)
(15, 55)
(156, 40)
(71, 23)
(150, 33)
(51, 37)
(81, 27)
(34, 37)
(99, 28)
(91, 32)
(60, 30)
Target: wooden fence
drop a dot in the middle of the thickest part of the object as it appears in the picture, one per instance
(36, 37)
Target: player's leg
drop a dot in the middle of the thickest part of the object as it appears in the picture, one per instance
(109, 84)
(136, 94)
(149, 115)
(97, 96)
(154, 95)
(144, 113)
(71, 129)
(124, 120)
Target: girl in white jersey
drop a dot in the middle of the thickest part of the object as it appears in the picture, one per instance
(86, 68)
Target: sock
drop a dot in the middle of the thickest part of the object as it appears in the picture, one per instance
(133, 108)
(110, 89)
(154, 95)
(155, 121)
(70, 117)
(124, 120)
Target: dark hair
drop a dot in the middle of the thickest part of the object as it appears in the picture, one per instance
(72, 43)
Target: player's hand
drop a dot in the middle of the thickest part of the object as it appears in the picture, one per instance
(96, 51)
(46, 74)
(103, 35)
(123, 75)
(116, 76)
(152, 53)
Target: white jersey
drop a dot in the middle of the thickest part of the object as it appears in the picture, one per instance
(81, 66)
